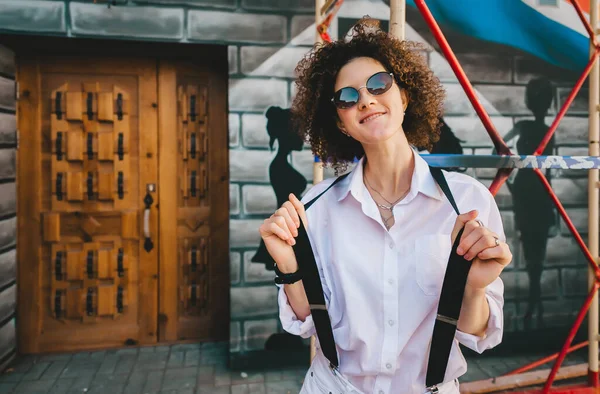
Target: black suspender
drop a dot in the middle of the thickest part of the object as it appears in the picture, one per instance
(453, 289)
(313, 287)
(448, 309)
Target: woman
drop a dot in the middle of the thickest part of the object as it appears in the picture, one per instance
(382, 236)
(535, 215)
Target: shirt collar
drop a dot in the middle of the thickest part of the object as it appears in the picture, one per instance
(422, 182)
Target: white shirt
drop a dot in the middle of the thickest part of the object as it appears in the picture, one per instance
(382, 288)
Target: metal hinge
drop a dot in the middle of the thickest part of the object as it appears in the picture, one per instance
(16, 90)
(17, 137)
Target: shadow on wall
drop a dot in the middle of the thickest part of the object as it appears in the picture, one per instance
(284, 178)
(447, 144)
(535, 214)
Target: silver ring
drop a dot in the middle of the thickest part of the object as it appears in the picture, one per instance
(480, 223)
(497, 241)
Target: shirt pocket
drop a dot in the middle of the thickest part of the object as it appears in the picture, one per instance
(432, 253)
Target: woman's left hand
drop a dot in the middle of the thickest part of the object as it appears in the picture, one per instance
(488, 253)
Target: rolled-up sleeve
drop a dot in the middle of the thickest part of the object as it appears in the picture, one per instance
(289, 320)
(493, 333)
(494, 292)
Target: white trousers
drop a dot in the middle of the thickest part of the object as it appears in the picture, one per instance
(321, 379)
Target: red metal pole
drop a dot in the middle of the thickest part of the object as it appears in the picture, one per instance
(545, 360)
(570, 337)
(567, 103)
(499, 143)
(569, 223)
(501, 177)
(585, 22)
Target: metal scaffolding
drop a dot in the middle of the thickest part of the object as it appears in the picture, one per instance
(506, 162)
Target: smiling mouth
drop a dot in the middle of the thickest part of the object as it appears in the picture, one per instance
(371, 117)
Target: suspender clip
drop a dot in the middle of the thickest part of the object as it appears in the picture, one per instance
(446, 319)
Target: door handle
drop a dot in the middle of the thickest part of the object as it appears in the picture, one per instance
(148, 200)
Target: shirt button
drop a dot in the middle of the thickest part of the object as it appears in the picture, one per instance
(388, 366)
(381, 392)
(391, 245)
(391, 322)
(391, 281)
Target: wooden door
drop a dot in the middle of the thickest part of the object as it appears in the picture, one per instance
(87, 214)
(194, 200)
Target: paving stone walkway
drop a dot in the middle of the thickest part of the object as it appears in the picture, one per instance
(180, 369)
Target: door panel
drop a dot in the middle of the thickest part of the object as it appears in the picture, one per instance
(194, 202)
(89, 197)
(89, 128)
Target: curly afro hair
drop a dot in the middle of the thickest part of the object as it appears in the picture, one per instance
(316, 116)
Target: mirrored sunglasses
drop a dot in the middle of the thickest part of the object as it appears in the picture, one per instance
(377, 84)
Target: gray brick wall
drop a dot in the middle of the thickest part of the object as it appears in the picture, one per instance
(264, 46)
(8, 222)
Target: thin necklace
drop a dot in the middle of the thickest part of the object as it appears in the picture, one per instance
(391, 204)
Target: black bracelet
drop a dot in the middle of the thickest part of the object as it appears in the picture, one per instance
(286, 279)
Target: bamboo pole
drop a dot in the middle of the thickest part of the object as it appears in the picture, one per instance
(317, 166)
(397, 18)
(593, 177)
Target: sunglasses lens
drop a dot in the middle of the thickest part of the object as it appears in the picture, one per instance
(346, 98)
(379, 83)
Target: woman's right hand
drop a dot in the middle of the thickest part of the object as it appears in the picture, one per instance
(279, 231)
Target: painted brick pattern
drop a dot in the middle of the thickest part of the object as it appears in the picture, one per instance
(8, 220)
(256, 94)
(7, 61)
(38, 16)
(8, 268)
(8, 126)
(148, 22)
(218, 26)
(7, 94)
(193, 3)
